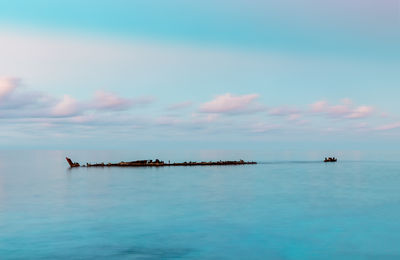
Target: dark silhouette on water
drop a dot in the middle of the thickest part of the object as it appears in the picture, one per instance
(330, 159)
(156, 163)
(72, 164)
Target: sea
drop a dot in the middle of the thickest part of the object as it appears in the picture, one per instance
(288, 206)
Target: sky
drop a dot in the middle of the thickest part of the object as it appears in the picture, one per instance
(234, 74)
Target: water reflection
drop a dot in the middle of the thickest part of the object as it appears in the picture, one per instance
(290, 209)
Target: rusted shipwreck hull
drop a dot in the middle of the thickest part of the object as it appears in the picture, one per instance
(155, 163)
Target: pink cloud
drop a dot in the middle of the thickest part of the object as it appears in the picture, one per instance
(339, 110)
(107, 100)
(319, 106)
(293, 115)
(68, 106)
(19, 102)
(228, 103)
(388, 126)
(7, 87)
(343, 110)
(361, 112)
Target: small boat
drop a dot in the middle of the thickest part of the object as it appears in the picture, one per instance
(330, 159)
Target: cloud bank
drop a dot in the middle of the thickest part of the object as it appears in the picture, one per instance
(227, 113)
(19, 102)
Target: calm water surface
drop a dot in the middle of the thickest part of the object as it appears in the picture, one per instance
(273, 210)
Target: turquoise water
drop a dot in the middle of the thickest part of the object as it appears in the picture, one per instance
(273, 210)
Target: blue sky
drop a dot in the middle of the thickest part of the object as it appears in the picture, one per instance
(200, 72)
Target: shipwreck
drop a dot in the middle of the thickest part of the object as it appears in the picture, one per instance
(156, 163)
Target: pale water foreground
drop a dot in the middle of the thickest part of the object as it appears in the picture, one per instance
(280, 209)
